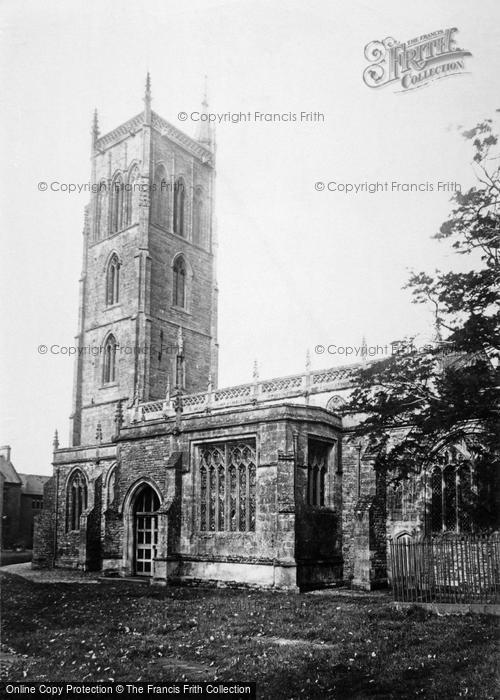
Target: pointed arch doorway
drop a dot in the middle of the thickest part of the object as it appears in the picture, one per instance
(145, 530)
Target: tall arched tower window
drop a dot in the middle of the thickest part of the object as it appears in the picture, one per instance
(179, 295)
(117, 204)
(160, 198)
(100, 212)
(198, 222)
(113, 281)
(132, 197)
(179, 203)
(109, 366)
(76, 500)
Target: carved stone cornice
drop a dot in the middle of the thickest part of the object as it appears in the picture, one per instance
(131, 126)
(189, 144)
(163, 127)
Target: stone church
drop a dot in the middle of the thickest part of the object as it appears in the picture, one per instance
(167, 475)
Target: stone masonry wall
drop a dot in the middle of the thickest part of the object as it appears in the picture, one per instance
(98, 399)
(146, 253)
(73, 548)
(160, 455)
(43, 535)
(364, 518)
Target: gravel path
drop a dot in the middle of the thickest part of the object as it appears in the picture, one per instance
(50, 575)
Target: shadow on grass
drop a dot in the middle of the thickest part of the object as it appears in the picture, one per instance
(128, 632)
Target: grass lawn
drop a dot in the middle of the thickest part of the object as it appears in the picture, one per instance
(294, 646)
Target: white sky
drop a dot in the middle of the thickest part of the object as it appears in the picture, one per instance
(296, 267)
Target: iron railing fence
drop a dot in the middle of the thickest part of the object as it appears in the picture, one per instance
(446, 569)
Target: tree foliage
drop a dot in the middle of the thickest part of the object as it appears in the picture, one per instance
(416, 401)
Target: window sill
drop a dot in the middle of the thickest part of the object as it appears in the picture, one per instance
(180, 309)
(165, 229)
(204, 534)
(111, 385)
(121, 230)
(322, 509)
(114, 233)
(109, 307)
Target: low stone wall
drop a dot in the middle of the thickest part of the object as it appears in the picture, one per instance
(452, 608)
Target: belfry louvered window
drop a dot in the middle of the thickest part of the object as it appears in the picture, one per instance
(227, 477)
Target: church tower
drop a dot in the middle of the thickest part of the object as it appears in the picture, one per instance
(148, 292)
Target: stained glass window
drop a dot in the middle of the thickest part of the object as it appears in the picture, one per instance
(228, 480)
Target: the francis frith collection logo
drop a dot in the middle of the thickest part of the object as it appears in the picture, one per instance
(414, 63)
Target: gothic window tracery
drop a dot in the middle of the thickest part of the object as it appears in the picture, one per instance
(227, 473)
(453, 492)
(179, 292)
(402, 498)
(317, 468)
(179, 206)
(132, 198)
(109, 365)
(100, 212)
(199, 218)
(117, 189)
(160, 198)
(113, 281)
(76, 500)
(336, 404)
